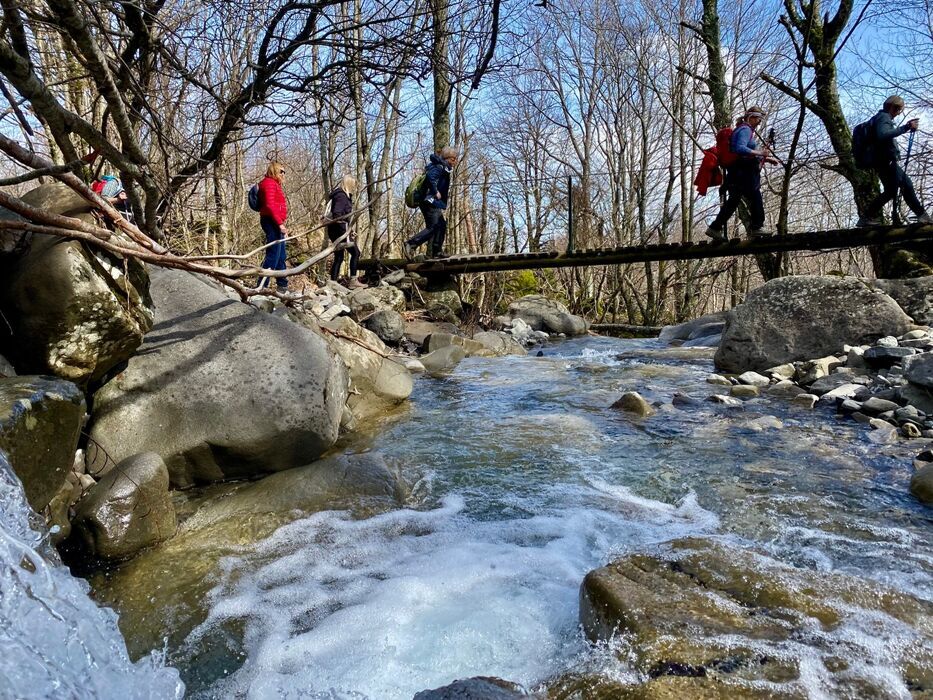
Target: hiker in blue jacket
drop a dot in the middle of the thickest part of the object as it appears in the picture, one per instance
(434, 202)
(743, 178)
(885, 156)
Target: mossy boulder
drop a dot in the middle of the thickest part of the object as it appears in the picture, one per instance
(734, 619)
(73, 311)
(40, 422)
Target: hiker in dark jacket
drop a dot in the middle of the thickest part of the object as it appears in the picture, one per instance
(434, 202)
(341, 206)
(885, 157)
(743, 178)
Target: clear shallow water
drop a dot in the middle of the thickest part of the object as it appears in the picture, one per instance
(523, 481)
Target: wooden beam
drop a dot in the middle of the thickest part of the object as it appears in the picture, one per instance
(816, 240)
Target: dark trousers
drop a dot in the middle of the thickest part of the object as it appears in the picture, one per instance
(335, 231)
(743, 181)
(275, 254)
(893, 178)
(435, 229)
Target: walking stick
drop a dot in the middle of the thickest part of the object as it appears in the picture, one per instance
(896, 214)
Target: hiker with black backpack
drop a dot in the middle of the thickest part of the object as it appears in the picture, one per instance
(432, 200)
(273, 210)
(874, 147)
(743, 177)
(337, 218)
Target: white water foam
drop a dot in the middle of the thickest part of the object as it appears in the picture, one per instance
(54, 641)
(384, 607)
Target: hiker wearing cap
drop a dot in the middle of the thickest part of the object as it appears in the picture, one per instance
(884, 158)
(743, 178)
(433, 203)
(114, 192)
(338, 221)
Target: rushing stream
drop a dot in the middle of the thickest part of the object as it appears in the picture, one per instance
(522, 480)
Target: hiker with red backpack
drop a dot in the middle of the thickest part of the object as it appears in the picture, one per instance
(742, 158)
(874, 147)
(432, 200)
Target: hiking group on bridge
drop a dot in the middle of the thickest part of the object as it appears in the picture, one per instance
(738, 151)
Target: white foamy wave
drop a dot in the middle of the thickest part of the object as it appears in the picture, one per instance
(56, 642)
(384, 607)
(687, 511)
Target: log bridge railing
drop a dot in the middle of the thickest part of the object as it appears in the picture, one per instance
(815, 241)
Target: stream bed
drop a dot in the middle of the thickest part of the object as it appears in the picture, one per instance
(522, 479)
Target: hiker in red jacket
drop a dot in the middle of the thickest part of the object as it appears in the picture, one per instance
(273, 210)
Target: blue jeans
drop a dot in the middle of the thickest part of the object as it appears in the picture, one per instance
(435, 228)
(275, 254)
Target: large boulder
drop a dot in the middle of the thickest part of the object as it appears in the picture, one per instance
(6, 369)
(220, 389)
(364, 303)
(547, 315)
(418, 330)
(914, 296)
(443, 304)
(40, 422)
(798, 318)
(129, 509)
(73, 311)
(377, 382)
(388, 324)
(705, 326)
(713, 613)
(500, 343)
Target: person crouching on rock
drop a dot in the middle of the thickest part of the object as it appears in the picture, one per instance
(743, 178)
(273, 210)
(434, 202)
(341, 206)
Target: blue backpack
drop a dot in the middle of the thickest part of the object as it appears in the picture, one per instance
(863, 144)
(252, 197)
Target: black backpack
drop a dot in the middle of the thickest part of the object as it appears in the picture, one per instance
(863, 144)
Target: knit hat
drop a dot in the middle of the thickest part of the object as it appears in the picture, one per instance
(755, 112)
(112, 186)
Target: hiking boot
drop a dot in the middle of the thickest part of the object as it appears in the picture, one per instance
(925, 219)
(408, 250)
(717, 234)
(759, 232)
(868, 222)
(355, 283)
(440, 255)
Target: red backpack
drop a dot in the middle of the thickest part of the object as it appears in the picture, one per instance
(98, 186)
(724, 152)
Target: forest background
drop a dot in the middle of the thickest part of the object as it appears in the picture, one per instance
(599, 106)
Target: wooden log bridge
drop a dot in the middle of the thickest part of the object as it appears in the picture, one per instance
(815, 241)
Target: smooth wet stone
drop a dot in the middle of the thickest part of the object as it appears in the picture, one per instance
(786, 389)
(860, 417)
(882, 432)
(744, 391)
(635, 403)
(764, 423)
(919, 370)
(779, 372)
(500, 343)
(876, 405)
(889, 341)
(754, 379)
(129, 509)
(698, 608)
(855, 358)
(916, 396)
(443, 359)
(915, 334)
(685, 401)
(805, 400)
(479, 688)
(921, 484)
(436, 341)
(718, 379)
(886, 356)
(923, 459)
(849, 406)
(811, 370)
(836, 380)
(724, 400)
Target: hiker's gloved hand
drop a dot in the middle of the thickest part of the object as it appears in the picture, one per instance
(913, 124)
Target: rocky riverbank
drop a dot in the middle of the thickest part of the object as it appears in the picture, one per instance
(120, 384)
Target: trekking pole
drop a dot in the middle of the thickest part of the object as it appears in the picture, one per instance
(896, 213)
